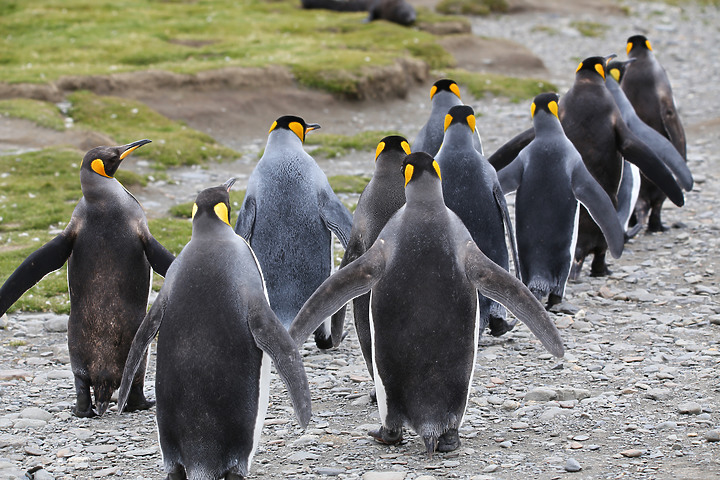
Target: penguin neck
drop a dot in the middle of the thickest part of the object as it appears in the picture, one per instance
(544, 122)
(443, 101)
(98, 188)
(586, 77)
(281, 139)
(425, 191)
(204, 226)
(459, 136)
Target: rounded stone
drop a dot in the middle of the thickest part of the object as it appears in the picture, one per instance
(572, 465)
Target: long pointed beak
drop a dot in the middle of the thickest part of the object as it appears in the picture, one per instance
(228, 185)
(131, 147)
(312, 126)
(609, 57)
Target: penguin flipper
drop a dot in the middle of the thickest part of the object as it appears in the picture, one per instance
(337, 322)
(673, 126)
(508, 152)
(159, 257)
(494, 282)
(42, 261)
(510, 177)
(667, 152)
(143, 337)
(502, 206)
(339, 288)
(636, 152)
(588, 192)
(336, 217)
(272, 338)
(246, 217)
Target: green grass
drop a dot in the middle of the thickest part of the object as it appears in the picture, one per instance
(348, 183)
(516, 89)
(472, 7)
(44, 40)
(333, 145)
(42, 113)
(589, 29)
(174, 143)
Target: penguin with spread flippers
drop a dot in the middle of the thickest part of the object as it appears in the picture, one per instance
(423, 273)
(217, 336)
(551, 178)
(647, 87)
(592, 122)
(109, 251)
(444, 94)
(288, 216)
(471, 190)
(381, 198)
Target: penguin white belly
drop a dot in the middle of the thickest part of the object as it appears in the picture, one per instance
(263, 396)
(476, 339)
(379, 386)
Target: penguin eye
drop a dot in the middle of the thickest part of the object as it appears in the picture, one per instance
(532, 110)
(433, 91)
(298, 129)
(379, 149)
(98, 167)
(553, 107)
(471, 122)
(406, 147)
(448, 121)
(579, 67)
(599, 68)
(437, 169)
(221, 210)
(628, 47)
(455, 89)
(409, 169)
(272, 127)
(194, 210)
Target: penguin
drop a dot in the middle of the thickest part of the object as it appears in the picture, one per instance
(592, 121)
(381, 198)
(627, 195)
(444, 93)
(648, 89)
(423, 273)
(551, 179)
(471, 190)
(109, 251)
(287, 216)
(217, 336)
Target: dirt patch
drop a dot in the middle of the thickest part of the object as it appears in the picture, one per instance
(565, 7)
(478, 54)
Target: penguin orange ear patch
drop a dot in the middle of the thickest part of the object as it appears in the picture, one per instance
(221, 210)
(409, 169)
(455, 89)
(298, 129)
(647, 44)
(448, 121)
(433, 91)
(579, 67)
(599, 68)
(615, 73)
(471, 122)
(379, 149)
(194, 210)
(437, 169)
(406, 147)
(628, 47)
(98, 167)
(553, 107)
(533, 107)
(272, 127)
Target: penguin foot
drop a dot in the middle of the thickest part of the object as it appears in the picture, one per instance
(553, 300)
(87, 413)
(448, 441)
(233, 476)
(387, 436)
(322, 341)
(657, 228)
(500, 326)
(603, 271)
(144, 404)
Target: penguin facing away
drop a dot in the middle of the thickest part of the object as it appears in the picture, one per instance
(424, 333)
(647, 87)
(551, 178)
(471, 189)
(217, 335)
(444, 94)
(109, 251)
(288, 216)
(381, 198)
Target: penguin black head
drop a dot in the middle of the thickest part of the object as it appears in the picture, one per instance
(106, 160)
(294, 124)
(546, 102)
(593, 64)
(445, 85)
(462, 114)
(214, 202)
(418, 164)
(616, 68)
(638, 41)
(392, 143)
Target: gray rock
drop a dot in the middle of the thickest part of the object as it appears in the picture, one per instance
(572, 465)
(299, 457)
(307, 439)
(712, 436)
(659, 394)
(541, 394)
(29, 424)
(43, 475)
(690, 408)
(35, 413)
(374, 475)
(56, 324)
(329, 471)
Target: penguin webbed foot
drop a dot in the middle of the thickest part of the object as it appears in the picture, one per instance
(553, 300)
(145, 404)
(89, 412)
(500, 326)
(449, 441)
(387, 436)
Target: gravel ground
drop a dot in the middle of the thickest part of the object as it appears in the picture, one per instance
(636, 396)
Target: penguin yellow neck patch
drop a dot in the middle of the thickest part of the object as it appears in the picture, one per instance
(471, 122)
(221, 210)
(299, 130)
(579, 67)
(98, 167)
(455, 89)
(409, 169)
(448, 121)
(533, 107)
(628, 47)
(599, 68)
(194, 211)
(406, 147)
(553, 107)
(272, 127)
(437, 169)
(615, 73)
(433, 91)
(379, 149)
(647, 44)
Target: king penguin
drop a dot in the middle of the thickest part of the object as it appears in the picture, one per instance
(647, 86)
(423, 273)
(444, 94)
(471, 190)
(109, 251)
(287, 216)
(217, 335)
(592, 121)
(551, 178)
(381, 198)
